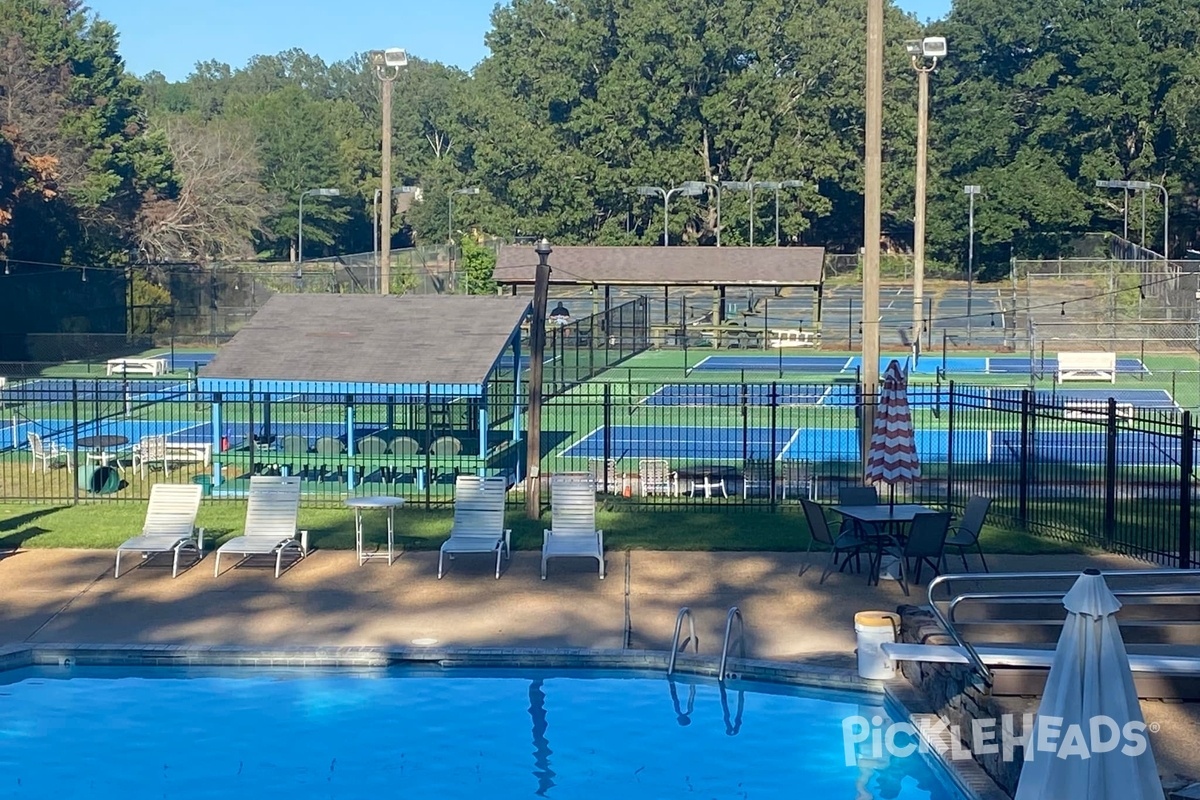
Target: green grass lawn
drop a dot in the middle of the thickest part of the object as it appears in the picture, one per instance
(107, 525)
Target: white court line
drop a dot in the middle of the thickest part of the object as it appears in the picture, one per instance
(788, 445)
(846, 366)
(658, 391)
(825, 395)
(567, 453)
(698, 364)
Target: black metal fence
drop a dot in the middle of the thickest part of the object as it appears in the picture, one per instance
(1105, 474)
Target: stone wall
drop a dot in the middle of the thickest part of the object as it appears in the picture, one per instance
(951, 692)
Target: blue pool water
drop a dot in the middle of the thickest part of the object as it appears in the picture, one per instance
(512, 734)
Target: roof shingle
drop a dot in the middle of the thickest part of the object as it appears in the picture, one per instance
(409, 339)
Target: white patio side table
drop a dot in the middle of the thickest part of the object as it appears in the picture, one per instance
(360, 504)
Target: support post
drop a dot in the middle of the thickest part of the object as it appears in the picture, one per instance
(1110, 474)
(385, 218)
(1186, 461)
(872, 221)
(537, 346)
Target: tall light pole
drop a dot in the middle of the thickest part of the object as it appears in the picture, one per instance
(689, 189)
(300, 220)
(537, 347)
(1145, 186)
(872, 221)
(399, 190)
(387, 64)
(700, 186)
(924, 54)
(450, 210)
(970, 191)
(742, 186)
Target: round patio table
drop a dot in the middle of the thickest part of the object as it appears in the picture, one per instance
(359, 504)
(100, 478)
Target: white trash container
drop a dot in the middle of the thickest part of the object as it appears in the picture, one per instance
(873, 629)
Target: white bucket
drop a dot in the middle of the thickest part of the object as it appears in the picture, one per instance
(873, 629)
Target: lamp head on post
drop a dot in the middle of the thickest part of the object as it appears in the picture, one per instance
(649, 191)
(469, 190)
(792, 184)
(972, 189)
(388, 63)
(737, 185)
(543, 250)
(689, 189)
(932, 48)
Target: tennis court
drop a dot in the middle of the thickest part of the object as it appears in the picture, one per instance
(64, 390)
(64, 433)
(184, 361)
(1084, 448)
(926, 365)
(842, 395)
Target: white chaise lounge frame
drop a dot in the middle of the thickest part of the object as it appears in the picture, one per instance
(271, 522)
(478, 525)
(170, 525)
(572, 532)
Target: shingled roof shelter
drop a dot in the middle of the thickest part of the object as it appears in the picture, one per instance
(720, 268)
(331, 349)
(666, 266)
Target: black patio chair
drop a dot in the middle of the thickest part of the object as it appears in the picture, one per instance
(965, 535)
(926, 542)
(849, 544)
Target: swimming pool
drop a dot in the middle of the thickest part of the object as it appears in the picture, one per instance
(222, 733)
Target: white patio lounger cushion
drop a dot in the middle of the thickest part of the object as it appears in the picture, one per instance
(572, 532)
(271, 516)
(170, 524)
(478, 525)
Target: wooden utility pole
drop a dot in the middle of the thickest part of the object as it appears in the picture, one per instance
(385, 221)
(873, 191)
(537, 346)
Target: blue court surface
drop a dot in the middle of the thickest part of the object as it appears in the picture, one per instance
(1085, 448)
(63, 390)
(928, 364)
(63, 433)
(919, 397)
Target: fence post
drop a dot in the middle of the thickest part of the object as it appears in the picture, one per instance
(74, 441)
(607, 447)
(949, 443)
(1110, 474)
(1186, 457)
(771, 474)
(429, 441)
(1023, 461)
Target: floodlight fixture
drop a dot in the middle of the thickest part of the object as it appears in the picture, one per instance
(972, 189)
(649, 191)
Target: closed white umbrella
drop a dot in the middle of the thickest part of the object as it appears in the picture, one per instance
(1090, 740)
(892, 456)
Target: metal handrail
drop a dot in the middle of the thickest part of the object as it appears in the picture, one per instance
(733, 612)
(1033, 596)
(976, 662)
(683, 612)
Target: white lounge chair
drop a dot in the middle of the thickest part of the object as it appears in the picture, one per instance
(271, 517)
(572, 530)
(478, 525)
(170, 525)
(47, 453)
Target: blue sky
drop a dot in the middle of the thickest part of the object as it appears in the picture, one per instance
(172, 36)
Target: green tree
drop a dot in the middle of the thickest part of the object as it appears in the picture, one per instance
(479, 266)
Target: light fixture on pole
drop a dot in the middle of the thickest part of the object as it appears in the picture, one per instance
(700, 186)
(742, 186)
(689, 189)
(450, 210)
(1124, 186)
(924, 55)
(387, 64)
(970, 191)
(300, 220)
(1145, 186)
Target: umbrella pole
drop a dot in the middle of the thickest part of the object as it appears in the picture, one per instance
(891, 498)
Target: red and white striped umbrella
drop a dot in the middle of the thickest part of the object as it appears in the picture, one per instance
(892, 456)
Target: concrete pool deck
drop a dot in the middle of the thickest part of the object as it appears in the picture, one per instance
(70, 596)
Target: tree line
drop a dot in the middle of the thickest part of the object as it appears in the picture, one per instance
(582, 101)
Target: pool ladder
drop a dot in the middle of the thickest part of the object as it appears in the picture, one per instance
(686, 613)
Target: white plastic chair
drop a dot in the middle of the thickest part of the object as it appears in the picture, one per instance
(572, 532)
(478, 525)
(47, 453)
(656, 477)
(150, 450)
(271, 517)
(170, 525)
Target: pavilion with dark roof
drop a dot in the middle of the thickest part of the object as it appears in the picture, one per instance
(721, 268)
(366, 350)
